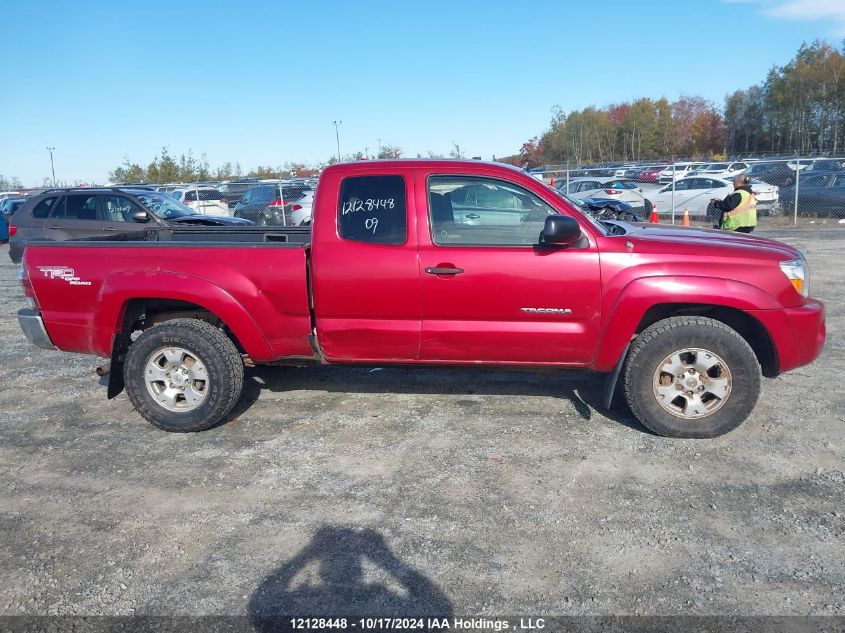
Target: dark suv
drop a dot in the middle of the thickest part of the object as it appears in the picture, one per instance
(264, 204)
(69, 214)
(234, 190)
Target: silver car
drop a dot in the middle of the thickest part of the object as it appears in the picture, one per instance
(613, 188)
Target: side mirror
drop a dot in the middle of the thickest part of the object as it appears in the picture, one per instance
(561, 230)
(140, 216)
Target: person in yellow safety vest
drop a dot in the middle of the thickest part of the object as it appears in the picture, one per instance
(739, 209)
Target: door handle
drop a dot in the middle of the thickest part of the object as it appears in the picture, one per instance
(54, 226)
(472, 216)
(444, 271)
(110, 228)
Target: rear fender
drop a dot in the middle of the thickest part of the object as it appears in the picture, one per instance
(637, 297)
(117, 290)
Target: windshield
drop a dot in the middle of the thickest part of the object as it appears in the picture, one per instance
(716, 166)
(164, 206)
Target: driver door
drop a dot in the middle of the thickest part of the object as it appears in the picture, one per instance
(489, 292)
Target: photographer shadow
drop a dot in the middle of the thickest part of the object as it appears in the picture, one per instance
(328, 579)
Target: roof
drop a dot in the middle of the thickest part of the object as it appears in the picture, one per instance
(424, 163)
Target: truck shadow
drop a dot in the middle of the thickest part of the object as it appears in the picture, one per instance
(344, 572)
(583, 391)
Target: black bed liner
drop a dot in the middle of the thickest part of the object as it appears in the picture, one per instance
(252, 234)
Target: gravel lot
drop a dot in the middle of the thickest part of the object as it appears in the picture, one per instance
(358, 491)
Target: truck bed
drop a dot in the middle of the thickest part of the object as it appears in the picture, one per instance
(254, 279)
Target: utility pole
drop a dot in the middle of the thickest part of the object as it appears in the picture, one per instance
(379, 149)
(52, 168)
(337, 124)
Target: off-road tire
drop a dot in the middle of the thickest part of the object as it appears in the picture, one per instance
(665, 337)
(217, 352)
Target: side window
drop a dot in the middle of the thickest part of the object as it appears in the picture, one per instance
(372, 209)
(264, 194)
(680, 185)
(77, 207)
(43, 208)
(118, 209)
(472, 211)
(813, 181)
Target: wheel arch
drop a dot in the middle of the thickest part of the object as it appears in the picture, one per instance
(643, 302)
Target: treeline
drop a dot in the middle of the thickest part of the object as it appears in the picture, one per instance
(187, 168)
(799, 107)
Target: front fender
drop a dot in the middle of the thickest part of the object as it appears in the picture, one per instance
(639, 295)
(118, 289)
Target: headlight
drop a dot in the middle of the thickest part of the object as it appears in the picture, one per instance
(797, 271)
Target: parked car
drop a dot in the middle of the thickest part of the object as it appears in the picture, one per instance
(649, 174)
(9, 205)
(819, 194)
(689, 320)
(613, 188)
(676, 171)
(264, 204)
(800, 164)
(773, 172)
(605, 208)
(234, 190)
(300, 211)
(696, 193)
(825, 165)
(70, 214)
(210, 202)
(721, 170)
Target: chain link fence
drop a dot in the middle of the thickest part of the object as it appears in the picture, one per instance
(796, 189)
(263, 202)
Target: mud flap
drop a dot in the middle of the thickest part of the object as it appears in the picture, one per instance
(612, 377)
(121, 345)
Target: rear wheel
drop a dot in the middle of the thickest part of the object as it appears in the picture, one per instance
(691, 377)
(183, 375)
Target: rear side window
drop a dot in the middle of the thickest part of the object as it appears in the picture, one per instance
(372, 209)
(77, 207)
(205, 194)
(43, 208)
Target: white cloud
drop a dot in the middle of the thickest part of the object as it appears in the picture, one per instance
(830, 11)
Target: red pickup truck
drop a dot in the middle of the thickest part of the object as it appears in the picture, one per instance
(433, 262)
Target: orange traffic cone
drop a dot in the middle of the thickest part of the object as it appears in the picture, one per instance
(685, 219)
(552, 183)
(653, 218)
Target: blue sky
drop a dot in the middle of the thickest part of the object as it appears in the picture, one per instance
(261, 82)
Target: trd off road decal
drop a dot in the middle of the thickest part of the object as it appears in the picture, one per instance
(65, 273)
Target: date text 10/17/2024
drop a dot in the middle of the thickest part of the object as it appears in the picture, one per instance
(423, 624)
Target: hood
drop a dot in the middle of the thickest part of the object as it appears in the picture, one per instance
(211, 220)
(661, 235)
(595, 202)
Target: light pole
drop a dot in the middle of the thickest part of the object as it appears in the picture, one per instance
(337, 124)
(52, 168)
(379, 149)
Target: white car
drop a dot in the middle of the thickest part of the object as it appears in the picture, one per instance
(300, 211)
(697, 192)
(721, 170)
(612, 188)
(676, 171)
(211, 201)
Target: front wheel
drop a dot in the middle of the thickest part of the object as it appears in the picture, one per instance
(183, 375)
(691, 377)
